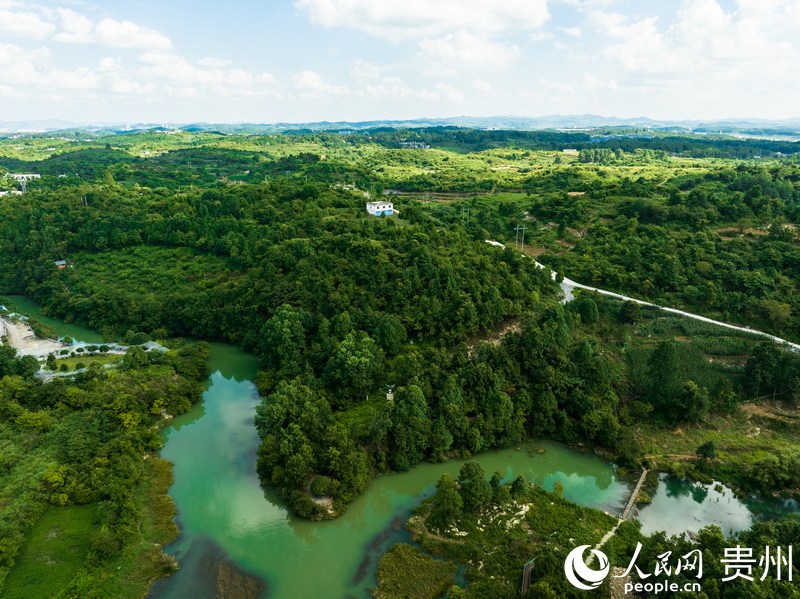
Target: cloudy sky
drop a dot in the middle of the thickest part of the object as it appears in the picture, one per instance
(309, 60)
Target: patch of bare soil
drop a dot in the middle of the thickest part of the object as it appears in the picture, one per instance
(495, 336)
(733, 360)
(734, 232)
(534, 251)
(21, 337)
(771, 410)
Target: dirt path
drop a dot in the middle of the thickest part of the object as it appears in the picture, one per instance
(22, 338)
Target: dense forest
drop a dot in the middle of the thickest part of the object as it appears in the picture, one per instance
(256, 241)
(721, 242)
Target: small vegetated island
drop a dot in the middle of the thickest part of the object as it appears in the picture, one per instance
(264, 241)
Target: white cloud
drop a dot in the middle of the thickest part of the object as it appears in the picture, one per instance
(588, 4)
(705, 40)
(462, 50)
(403, 19)
(68, 26)
(216, 63)
(542, 36)
(6, 91)
(23, 69)
(24, 24)
(592, 83)
(265, 78)
(555, 87)
(109, 64)
(9, 54)
(177, 71)
(75, 28)
(126, 87)
(396, 90)
(572, 31)
(708, 59)
(451, 93)
(310, 83)
(363, 69)
(641, 48)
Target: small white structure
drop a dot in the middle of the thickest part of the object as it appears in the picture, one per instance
(380, 208)
(570, 151)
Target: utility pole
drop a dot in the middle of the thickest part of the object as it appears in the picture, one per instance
(465, 216)
(526, 575)
(519, 241)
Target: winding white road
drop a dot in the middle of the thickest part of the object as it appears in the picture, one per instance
(568, 286)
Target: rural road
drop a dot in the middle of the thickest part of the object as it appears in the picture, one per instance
(568, 286)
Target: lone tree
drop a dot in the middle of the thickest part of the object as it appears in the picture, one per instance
(629, 313)
(475, 489)
(447, 505)
(707, 451)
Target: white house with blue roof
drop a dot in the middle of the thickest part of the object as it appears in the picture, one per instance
(380, 208)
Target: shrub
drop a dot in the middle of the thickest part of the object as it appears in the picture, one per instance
(321, 486)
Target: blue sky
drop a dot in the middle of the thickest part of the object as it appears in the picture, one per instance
(309, 60)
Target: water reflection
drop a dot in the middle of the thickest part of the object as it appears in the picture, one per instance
(680, 505)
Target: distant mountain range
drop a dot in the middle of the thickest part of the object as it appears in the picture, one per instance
(745, 127)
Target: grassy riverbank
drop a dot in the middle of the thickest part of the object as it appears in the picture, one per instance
(143, 561)
(56, 556)
(88, 503)
(496, 530)
(754, 447)
(407, 572)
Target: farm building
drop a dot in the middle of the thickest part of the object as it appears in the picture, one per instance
(380, 208)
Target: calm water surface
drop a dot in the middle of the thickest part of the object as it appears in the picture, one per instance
(681, 505)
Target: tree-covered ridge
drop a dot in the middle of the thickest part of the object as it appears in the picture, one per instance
(235, 255)
(144, 143)
(457, 160)
(81, 442)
